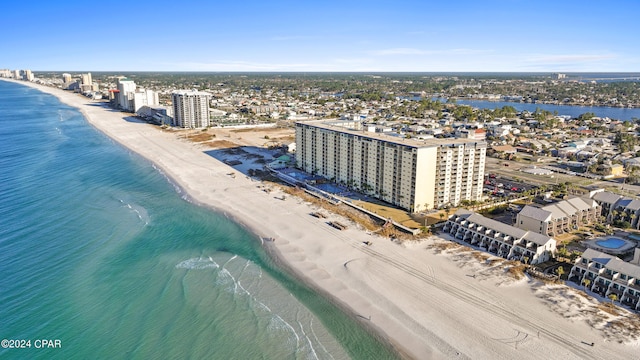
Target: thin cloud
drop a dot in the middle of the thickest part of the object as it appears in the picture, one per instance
(570, 58)
(293, 37)
(569, 62)
(353, 61)
(240, 65)
(414, 51)
(399, 51)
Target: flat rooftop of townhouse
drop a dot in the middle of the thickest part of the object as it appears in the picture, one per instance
(356, 128)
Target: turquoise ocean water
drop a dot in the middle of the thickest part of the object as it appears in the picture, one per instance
(99, 251)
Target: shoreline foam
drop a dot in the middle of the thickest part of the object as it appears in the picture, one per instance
(424, 303)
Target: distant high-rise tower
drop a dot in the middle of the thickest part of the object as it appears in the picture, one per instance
(17, 75)
(144, 97)
(126, 90)
(87, 83)
(66, 78)
(28, 75)
(191, 108)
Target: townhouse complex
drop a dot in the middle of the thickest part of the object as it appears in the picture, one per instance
(412, 174)
(606, 274)
(501, 239)
(559, 218)
(617, 208)
(568, 215)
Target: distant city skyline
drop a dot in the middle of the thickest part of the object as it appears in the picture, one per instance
(375, 36)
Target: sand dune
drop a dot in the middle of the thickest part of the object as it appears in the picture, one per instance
(429, 303)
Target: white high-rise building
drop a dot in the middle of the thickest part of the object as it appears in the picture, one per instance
(413, 174)
(66, 78)
(17, 75)
(28, 75)
(190, 108)
(87, 83)
(126, 89)
(144, 97)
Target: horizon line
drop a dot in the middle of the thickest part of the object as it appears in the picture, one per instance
(340, 71)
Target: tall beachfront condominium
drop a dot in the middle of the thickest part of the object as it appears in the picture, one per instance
(66, 78)
(130, 97)
(126, 88)
(144, 97)
(410, 173)
(86, 79)
(191, 108)
(87, 82)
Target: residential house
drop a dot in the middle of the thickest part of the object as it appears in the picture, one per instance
(632, 163)
(614, 169)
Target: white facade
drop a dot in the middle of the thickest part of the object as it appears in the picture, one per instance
(126, 90)
(559, 218)
(412, 174)
(606, 274)
(191, 108)
(144, 97)
(87, 83)
(501, 239)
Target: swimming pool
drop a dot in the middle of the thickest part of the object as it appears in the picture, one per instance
(611, 243)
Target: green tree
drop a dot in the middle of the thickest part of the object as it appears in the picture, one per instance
(563, 251)
(586, 116)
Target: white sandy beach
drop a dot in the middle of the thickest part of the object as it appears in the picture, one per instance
(426, 303)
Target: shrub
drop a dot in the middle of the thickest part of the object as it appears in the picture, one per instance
(497, 210)
(622, 224)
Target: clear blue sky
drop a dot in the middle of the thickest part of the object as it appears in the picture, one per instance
(308, 35)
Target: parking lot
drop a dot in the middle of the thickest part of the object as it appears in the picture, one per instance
(502, 186)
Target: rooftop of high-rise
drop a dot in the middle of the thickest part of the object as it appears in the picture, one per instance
(361, 129)
(190, 92)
